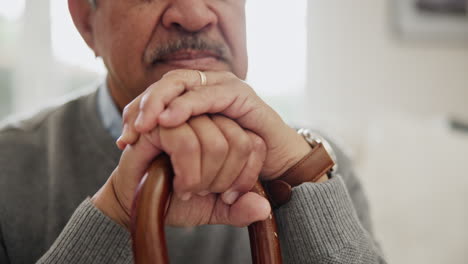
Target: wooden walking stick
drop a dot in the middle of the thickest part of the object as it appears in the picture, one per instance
(148, 212)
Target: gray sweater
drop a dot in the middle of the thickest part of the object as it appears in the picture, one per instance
(51, 163)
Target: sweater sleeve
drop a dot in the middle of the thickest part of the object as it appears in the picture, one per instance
(90, 237)
(329, 222)
(320, 225)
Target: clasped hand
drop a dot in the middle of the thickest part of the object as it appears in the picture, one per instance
(220, 137)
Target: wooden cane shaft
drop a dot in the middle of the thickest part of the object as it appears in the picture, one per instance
(148, 211)
(264, 243)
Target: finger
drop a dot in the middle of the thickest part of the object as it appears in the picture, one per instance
(214, 149)
(135, 159)
(129, 134)
(197, 211)
(249, 208)
(134, 162)
(161, 93)
(251, 171)
(183, 147)
(234, 100)
(240, 147)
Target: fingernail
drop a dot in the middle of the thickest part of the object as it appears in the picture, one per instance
(139, 120)
(186, 196)
(230, 197)
(120, 144)
(204, 193)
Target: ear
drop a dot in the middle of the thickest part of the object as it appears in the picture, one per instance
(81, 12)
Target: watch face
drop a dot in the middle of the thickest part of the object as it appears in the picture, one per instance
(314, 139)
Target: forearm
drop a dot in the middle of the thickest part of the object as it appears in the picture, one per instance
(90, 237)
(320, 225)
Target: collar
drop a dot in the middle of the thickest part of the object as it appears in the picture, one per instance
(108, 112)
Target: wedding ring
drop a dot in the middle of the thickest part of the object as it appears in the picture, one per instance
(202, 78)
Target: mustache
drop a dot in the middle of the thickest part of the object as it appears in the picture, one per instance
(186, 42)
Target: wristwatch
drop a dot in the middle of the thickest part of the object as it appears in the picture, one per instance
(319, 161)
(314, 138)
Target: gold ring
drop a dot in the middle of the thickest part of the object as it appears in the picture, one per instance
(203, 80)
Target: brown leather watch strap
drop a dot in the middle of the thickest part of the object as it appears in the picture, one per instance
(309, 169)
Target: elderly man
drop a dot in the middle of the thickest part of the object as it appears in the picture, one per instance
(175, 70)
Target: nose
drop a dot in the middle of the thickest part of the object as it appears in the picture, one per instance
(189, 15)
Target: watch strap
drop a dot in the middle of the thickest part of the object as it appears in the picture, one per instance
(309, 169)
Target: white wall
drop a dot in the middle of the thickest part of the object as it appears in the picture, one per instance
(34, 65)
(354, 54)
(388, 100)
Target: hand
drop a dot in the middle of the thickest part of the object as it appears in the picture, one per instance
(210, 155)
(179, 96)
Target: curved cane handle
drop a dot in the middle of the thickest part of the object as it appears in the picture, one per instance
(148, 238)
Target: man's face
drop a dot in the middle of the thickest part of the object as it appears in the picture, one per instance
(141, 40)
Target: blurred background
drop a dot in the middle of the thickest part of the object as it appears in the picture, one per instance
(388, 79)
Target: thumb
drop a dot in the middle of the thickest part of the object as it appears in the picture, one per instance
(248, 208)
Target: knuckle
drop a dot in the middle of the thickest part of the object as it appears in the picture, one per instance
(171, 74)
(127, 112)
(218, 147)
(175, 75)
(244, 145)
(190, 146)
(144, 101)
(258, 144)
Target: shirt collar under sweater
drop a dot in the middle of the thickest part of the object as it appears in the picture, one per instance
(108, 112)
